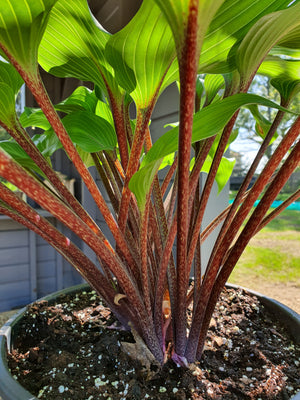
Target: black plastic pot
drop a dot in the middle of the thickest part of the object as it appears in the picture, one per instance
(10, 389)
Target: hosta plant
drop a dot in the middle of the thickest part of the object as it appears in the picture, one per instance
(213, 49)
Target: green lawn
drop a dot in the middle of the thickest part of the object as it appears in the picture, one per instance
(274, 253)
(286, 221)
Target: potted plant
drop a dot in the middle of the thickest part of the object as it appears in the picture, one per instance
(144, 284)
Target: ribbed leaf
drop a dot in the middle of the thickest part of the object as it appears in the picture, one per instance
(140, 183)
(103, 110)
(90, 132)
(73, 45)
(288, 89)
(7, 105)
(47, 143)
(19, 155)
(279, 50)
(264, 35)
(207, 122)
(285, 74)
(178, 12)
(10, 76)
(224, 171)
(262, 125)
(22, 24)
(10, 84)
(34, 117)
(141, 53)
(81, 99)
(212, 84)
(231, 23)
(275, 67)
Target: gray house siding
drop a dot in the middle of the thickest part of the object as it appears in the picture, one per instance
(29, 267)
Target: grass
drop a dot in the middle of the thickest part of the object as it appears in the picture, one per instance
(269, 264)
(288, 220)
(274, 254)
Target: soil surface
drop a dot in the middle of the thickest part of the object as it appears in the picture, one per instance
(70, 351)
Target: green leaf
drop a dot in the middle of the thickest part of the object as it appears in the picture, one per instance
(47, 143)
(141, 182)
(229, 26)
(7, 105)
(178, 13)
(22, 24)
(224, 171)
(81, 99)
(103, 111)
(73, 45)
(279, 50)
(265, 34)
(141, 53)
(19, 155)
(86, 157)
(10, 84)
(90, 132)
(285, 74)
(212, 84)
(288, 89)
(262, 125)
(34, 117)
(275, 67)
(209, 121)
(10, 76)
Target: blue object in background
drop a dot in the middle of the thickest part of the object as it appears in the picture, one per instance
(276, 203)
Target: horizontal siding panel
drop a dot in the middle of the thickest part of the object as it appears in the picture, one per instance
(14, 256)
(12, 273)
(7, 224)
(13, 239)
(71, 278)
(17, 302)
(45, 252)
(46, 269)
(14, 289)
(46, 286)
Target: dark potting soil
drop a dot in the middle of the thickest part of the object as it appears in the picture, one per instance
(69, 351)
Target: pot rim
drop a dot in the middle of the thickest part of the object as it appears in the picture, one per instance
(12, 390)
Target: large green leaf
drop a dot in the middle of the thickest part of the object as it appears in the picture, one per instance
(229, 26)
(285, 74)
(73, 45)
(265, 34)
(19, 155)
(22, 24)
(7, 105)
(47, 143)
(141, 53)
(275, 67)
(10, 84)
(141, 182)
(262, 125)
(90, 132)
(34, 117)
(224, 171)
(81, 99)
(212, 85)
(179, 12)
(208, 122)
(10, 76)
